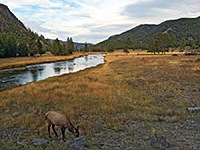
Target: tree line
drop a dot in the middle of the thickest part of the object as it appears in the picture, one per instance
(59, 48)
(164, 42)
(160, 44)
(10, 46)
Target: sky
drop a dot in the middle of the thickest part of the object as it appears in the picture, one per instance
(93, 21)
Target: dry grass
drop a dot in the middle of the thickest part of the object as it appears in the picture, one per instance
(140, 53)
(153, 89)
(167, 80)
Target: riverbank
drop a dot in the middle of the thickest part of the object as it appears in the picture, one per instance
(18, 62)
(130, 102)
(10, 78)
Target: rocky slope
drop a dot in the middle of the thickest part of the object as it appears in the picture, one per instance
(9, 23)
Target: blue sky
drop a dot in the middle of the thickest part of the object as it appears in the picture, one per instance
(96, 20)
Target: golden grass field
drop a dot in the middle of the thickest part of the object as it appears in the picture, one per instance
(128, 90)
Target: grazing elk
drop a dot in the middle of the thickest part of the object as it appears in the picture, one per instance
(55, 118)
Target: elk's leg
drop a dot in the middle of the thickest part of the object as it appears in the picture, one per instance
(63, 133)
(49, 126)
(53, 127)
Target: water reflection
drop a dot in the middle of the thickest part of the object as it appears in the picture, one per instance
(57, 70)
(71, 68)
(86, 58)
(71, 64)
(34, 74)
(42, 71)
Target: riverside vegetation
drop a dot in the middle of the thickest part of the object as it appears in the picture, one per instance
(130, 102)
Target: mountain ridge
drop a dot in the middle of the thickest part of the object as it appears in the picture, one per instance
(182, 27)
(9, 23)
(7, 14)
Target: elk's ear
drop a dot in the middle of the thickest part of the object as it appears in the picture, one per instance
(77, 128)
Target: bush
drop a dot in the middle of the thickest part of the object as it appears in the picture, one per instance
(174, 54)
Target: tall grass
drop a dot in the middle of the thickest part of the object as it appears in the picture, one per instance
(125, 88)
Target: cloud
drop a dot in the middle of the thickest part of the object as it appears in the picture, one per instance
(96, 20)
(111, 29)
(156, 11)
(92, 38)
(75, 18)
(21, 3)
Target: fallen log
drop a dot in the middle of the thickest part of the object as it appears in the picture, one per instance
(193, 109)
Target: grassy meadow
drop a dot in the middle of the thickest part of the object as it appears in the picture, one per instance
(123, 103)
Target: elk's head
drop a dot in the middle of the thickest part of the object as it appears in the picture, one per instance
(75, 131)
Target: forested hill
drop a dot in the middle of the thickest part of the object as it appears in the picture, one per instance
(10, 24)
(16, 39)
(135, 34)
(184, 27)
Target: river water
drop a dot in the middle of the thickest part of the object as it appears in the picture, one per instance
(13, 77)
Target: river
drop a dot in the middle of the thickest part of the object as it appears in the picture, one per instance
(15, 77)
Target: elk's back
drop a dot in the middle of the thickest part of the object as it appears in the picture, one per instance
(56, 118)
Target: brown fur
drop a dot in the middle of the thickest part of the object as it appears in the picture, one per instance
(55, 118)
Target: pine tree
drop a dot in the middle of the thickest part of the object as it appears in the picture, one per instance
(111, 47)
(166, 42)
(22, 49)
(86, 47)
(158, 43)
(10, 45)
(70, 45)
(127, 45)
(162, 42)
(63, 50)
(32, 47)
(193, 44)
(55, 47)
(173, 42)
(39, 47)
(182, 44)
(151, 46)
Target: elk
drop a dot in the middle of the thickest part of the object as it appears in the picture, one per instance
(56, 118)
